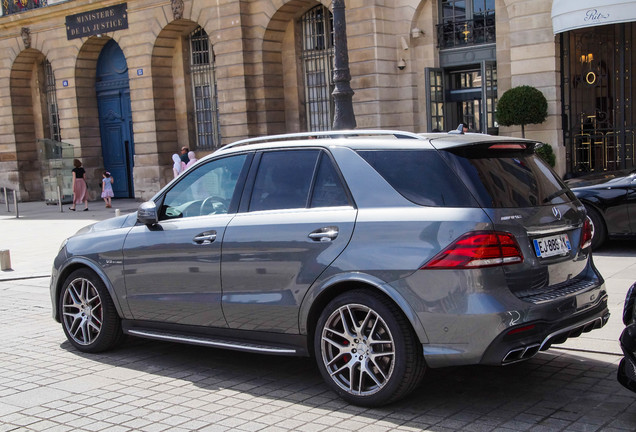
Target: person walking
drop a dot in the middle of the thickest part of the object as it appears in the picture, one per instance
(192, 159)
(107, 188)
(80, 194)
(184, 154)
(177, 165)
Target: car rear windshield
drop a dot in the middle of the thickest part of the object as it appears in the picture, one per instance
(421, 176)
(507, 176)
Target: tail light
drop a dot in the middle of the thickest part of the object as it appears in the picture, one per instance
(587, 233)
(478, 249)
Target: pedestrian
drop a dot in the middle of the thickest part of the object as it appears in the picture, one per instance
(192, 159)
(107, 188)
(184, 154)
(178, 166)
(80, 193)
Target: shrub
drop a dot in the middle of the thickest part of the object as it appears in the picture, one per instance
(521, 106)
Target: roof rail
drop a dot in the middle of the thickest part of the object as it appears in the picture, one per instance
(323, 134)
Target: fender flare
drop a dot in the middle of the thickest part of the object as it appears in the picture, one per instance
(79, 262)
(317, 290)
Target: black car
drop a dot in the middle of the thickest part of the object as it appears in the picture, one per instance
(627, 367)
(610, 200)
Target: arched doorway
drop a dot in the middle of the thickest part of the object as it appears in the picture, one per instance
(115, 117)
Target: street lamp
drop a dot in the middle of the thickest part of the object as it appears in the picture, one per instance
(342, 93)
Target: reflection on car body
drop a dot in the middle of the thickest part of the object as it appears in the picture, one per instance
(627, 366)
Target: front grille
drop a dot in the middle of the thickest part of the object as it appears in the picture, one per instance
(553, 292)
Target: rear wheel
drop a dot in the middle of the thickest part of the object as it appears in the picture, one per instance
(600, 232)
(366, 349)
(88, 314)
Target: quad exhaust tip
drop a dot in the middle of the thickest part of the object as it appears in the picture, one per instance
(528, 351)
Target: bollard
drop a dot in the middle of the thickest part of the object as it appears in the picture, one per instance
(117, 212)
(15, 204)
(6, 201)
(5, 260)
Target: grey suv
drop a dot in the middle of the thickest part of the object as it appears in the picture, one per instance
(380, 253)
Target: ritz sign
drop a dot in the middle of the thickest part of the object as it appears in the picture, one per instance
(594, 15)
(97, 21)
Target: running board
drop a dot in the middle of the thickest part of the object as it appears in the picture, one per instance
(211, 342)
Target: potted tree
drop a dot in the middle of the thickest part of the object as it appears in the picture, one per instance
(521, 106)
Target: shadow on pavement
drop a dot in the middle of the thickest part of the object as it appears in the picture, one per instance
(554, 390)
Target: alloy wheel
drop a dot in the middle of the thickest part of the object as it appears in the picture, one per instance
(358, 349)
(82, 311)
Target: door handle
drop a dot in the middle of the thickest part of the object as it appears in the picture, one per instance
(205, 238)
(324, 234)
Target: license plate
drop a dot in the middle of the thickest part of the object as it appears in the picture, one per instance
(550, 246)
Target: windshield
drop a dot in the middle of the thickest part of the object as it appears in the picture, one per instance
(507, 178)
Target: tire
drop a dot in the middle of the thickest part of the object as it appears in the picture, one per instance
(600, 231)
(89, 318)
(351, 358)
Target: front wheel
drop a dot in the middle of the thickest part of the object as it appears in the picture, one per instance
(89, 318)
(366, 350)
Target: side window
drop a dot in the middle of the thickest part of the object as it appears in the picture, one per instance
(328, 189)
(283, 180)
(421, 176)
(205, 190)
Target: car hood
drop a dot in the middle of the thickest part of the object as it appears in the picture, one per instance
(603, 179)
(109, 224)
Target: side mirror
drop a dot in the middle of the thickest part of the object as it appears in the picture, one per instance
(147, 213)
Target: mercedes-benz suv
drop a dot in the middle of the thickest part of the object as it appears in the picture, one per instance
(379, 253)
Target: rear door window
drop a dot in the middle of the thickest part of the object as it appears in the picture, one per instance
(507, 176)
(297, 179)
(328, 190)
(283, 180)
(421, 176)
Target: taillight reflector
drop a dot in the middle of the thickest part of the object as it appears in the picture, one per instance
(478, 249)
(587, 233)
(521, 329)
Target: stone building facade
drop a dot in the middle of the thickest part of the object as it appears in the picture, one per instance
(126, 84)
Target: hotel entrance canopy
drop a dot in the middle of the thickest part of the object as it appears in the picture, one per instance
(574, 14)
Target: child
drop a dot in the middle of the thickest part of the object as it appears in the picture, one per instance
(107, 188)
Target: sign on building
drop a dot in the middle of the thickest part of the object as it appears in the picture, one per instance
(97, 21)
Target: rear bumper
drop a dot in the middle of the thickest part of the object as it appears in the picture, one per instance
(512, 336)
(525, 341)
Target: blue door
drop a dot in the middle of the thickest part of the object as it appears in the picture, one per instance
(115, 118)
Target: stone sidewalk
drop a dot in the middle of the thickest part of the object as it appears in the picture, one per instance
(152, 386)
(34, 238)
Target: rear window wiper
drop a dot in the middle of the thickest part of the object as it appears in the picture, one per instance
(554, 195)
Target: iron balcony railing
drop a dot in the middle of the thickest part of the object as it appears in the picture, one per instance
(479, 30)
(17, 6)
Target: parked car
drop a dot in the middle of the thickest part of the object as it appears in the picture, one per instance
(627, 366)
(379, 253)
(610, 201)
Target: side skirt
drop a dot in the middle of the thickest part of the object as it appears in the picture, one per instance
(238, 340)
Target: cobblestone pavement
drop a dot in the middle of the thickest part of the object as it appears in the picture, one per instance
(152, 386)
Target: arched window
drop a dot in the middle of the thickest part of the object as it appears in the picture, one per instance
(317, 63)
(204, 93)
